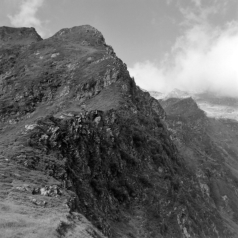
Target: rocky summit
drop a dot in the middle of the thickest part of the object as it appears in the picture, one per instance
(84, 152)
(18, 36)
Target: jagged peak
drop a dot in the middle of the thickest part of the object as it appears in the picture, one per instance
(184, 107)
(85, 33)
(18, 36)
(182, 102)
(189, 100)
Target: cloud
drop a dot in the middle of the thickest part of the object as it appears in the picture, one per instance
(148, 76)
(168, 2)
(26, 17)
(203, 58)
(197, 2)
(201, 11)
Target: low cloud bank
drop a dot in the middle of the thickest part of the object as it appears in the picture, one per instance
(203, 59)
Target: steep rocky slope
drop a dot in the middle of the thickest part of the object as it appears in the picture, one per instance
(210, 148)
(80, 139)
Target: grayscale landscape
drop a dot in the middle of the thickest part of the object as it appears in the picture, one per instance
(118, 119)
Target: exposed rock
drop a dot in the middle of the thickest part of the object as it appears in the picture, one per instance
(50, 191)
(10, 36)
(37, 202)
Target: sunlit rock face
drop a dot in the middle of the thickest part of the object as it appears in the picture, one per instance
(84, 148)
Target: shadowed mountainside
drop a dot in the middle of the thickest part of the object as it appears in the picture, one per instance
(80, 139)
(210, 148)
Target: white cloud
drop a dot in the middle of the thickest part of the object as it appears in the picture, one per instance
(197, 2)
(168, 2)
(202, 59)
(148, 76)
(201, 11)
(26, 17)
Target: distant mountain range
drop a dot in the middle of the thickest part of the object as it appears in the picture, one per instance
(214, 105)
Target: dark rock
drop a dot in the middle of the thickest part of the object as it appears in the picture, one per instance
(18, 36)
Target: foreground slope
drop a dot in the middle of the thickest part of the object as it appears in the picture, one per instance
(79, 138)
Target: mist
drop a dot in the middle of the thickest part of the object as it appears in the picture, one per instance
(202, 59)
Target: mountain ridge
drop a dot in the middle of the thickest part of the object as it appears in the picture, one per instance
(215, 106)
(18, 36)
(89, 143)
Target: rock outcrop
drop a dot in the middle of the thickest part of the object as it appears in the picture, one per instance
(18, 36)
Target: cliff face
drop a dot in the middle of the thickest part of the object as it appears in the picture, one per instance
(85, 136)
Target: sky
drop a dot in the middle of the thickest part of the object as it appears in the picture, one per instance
(191, 45)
